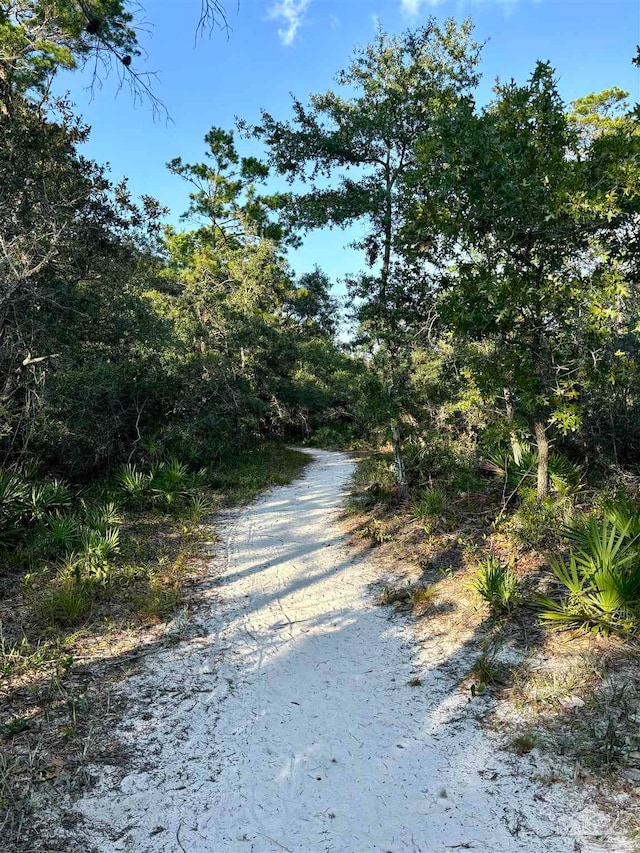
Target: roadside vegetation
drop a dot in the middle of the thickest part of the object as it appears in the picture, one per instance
(92, 582)
(152, 375)
(536, 604)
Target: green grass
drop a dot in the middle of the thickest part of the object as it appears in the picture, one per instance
(488, 670)
(252, 471)
(86, 565)
(430, 504)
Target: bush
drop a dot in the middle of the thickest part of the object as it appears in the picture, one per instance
(497, 584)
(430, 458)
(601, 574)
(538, 525)
(430, 505)
(564, 476)
(336, 435)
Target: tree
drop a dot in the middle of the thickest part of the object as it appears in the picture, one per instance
(258, 341)
(309, 303)
(519, 206)
(40, 37)
(355, 152)
(225, 197)
(70, 243)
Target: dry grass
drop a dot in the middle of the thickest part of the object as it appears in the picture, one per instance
(571, 696)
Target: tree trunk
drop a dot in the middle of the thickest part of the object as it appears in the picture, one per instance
(401, 474)
(385, 332)
(543, 460)
(516, 447)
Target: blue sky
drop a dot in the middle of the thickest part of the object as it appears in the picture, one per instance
(277, 47)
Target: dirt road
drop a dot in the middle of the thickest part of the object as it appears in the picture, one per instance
(288, 723)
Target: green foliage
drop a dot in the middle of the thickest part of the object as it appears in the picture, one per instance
(498, 299)
(537, 524)
(167, 484)
(376, 532)
(65, 602)
(134, 484)
(601, 575)
(39, 37)
(64, 531)
(242, 478)
(430, 504)
(497, 584)
(354, 150)
(564, 475)
(46, 497)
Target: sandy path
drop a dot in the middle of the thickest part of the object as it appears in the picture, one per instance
(288, 724)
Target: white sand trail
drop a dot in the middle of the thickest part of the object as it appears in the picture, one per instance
(289, 724)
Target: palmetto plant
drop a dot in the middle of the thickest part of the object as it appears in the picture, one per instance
(497, 584)
(64, 531)
(601, 575)
(170, 481)
(46, 497)
(24, 503)
(101, 517)
(134, 484)
(13, 498)
(565, 476)
(99, 546)
(199, 506)
(430, 505)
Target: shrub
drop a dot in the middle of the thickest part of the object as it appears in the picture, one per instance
(375, 531)
(601, 574)
(430, 457)
(564, 476)
(375, 471)
(430, 505)
(168, 484)
(45, 497)
(537, 525)
(465, 478)
(497, 584)
(133, 484)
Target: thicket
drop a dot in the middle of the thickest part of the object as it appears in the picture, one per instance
(494, 322)
(146, 370)
(498, 310)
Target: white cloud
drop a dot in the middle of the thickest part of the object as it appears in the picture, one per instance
(291, 13)
(411, 8)
(334, 21)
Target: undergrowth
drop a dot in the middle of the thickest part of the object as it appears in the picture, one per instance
(570, 562)
(87, 573)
